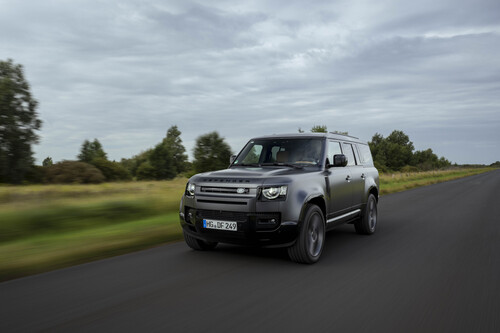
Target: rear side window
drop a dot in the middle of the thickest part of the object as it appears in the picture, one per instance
(365, 155)
(349, 154)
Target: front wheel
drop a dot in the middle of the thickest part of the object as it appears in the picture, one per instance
(367, 224)
(198, 244)
(310, 242)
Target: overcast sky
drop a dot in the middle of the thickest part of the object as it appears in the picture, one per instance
(125, 71)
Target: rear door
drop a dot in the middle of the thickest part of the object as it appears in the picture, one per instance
(356, 169)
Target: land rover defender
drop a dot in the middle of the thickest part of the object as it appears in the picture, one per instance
(284, 191)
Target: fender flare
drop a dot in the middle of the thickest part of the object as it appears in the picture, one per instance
(307, 201)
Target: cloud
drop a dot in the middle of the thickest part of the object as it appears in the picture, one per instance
(124, 72)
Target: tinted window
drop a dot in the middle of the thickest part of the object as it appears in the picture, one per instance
(333, 149)
(253, 155)
(365, 154)
(306, 152)
(349, 154)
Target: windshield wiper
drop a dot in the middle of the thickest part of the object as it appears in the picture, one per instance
(248, 164)
(285, 164)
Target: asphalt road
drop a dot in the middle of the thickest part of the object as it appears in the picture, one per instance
(432, 266)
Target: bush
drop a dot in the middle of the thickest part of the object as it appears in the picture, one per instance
(409, 169)
(146, 171)
(35, 174)
(73, 172)
(381, 167)
(113, 171)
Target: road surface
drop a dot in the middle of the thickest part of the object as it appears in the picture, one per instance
(432, 266)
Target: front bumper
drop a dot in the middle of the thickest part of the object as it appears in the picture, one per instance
(254, 228)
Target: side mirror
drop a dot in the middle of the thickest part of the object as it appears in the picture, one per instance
(232, 158)
(339, 160)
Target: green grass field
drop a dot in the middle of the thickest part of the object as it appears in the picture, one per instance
(44, 227)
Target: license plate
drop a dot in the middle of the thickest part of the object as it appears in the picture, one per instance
(220, 225)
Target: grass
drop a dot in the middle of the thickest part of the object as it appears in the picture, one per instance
(45, 227)
(46, 252)
(397, 182)
(53, 226)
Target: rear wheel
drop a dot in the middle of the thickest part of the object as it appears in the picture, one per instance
(367, 224)
(310, 242)
(198, 244)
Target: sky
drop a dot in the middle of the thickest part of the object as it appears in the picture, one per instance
(125, 71)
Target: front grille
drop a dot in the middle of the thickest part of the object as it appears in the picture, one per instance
(221, 202)
(222, 215)
(232, 190)
(225, 180)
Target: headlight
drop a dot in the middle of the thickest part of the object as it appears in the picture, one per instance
(190, 188)
(271, 193)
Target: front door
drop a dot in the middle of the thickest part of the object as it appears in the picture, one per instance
(340, 191)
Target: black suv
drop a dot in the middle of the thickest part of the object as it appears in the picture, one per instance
(286, 191)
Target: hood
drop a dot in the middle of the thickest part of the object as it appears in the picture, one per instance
(255, 175)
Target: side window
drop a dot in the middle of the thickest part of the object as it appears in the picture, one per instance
(278, 154)
(349, 154)
(365, 154)
(356, 155)
(333, 149)
(253, 155)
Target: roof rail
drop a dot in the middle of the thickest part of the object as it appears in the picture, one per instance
(344, 135)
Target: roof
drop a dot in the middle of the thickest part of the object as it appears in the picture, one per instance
(329, 135)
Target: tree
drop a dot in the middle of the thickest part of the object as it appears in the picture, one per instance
(113, 171)
(168, 158)
(47, 162)
(145, 171)
(425, 160)
(393, 152)
(399, 150)
(378, 148)
(132, 164)
(165, 161)
(341, 132)
(211, 152)
(90, 151)
(162, 161)
(18, 123)
(174, 142)
(319, 129)
(322, 129)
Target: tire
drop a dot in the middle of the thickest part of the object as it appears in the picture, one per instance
(198, 244)
(311, 239)
(367, 224)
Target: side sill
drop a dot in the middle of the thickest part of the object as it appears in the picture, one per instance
(344, 216)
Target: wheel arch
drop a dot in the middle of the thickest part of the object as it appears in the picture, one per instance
(372, 190)
(318, 200)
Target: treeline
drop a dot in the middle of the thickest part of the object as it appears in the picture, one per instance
(166, 160)
(396, 153)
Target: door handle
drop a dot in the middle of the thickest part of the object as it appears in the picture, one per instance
(348, 178)
(363, 176)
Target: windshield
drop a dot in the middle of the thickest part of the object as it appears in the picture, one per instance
(300, 152)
